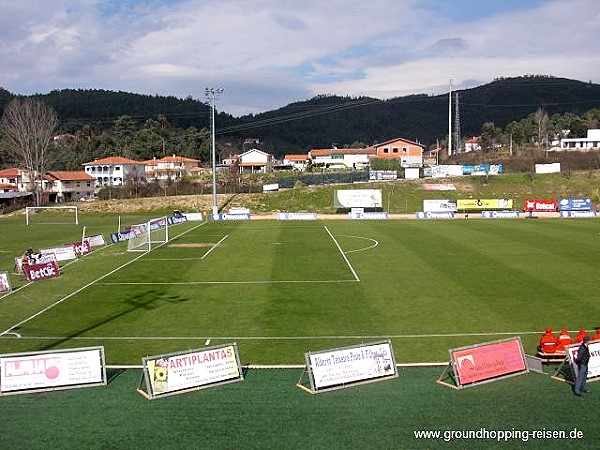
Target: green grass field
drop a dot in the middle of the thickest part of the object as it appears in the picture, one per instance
(280, 289)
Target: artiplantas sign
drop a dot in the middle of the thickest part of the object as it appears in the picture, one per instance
(178, 372)
(61, 369)
(357, 198)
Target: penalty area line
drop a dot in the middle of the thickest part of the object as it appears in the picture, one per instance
(151, 283)
(342, 253)
(214, 246)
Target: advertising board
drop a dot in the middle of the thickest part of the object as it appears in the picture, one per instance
(439, 205)
(64, 253)
(434, 215)
(575, 204)
(4, 282)
(340, 367)
(240, 216)
(357, 198)
(540, 205)
(500, 214)
(479, 204)
(297, 216)
(578, 214)
(37, 272)
(194, 369)
(488, 361)
(49, 370)
(594, 363)
(366, 215)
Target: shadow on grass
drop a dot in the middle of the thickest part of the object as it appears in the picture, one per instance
(144, 301)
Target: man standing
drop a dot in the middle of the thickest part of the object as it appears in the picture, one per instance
(582, 360)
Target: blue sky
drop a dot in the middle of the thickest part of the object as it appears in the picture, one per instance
(268, 53)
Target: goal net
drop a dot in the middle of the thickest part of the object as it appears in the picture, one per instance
(51, 215)
(148, 235)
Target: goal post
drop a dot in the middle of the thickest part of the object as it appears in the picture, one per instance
(147, 235)
(52, 215)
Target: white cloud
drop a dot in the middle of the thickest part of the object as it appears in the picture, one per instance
(271, 52)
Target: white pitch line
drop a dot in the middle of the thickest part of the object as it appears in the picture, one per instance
(58, 302)
(151, 283)
(376, 243)
(214, 246)
(282, 338)
(342, 253)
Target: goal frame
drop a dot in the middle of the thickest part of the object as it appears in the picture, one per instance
(29, 209)
(150, 230)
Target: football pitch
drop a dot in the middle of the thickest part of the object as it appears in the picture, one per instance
(281, 289)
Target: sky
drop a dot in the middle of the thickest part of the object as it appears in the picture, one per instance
(265, 54)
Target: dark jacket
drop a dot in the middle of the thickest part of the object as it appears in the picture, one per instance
(583, 355)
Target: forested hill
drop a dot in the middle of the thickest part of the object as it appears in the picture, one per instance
(326, 120)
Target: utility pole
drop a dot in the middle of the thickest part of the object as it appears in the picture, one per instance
(211, 93)
(457, 125)
(450, 120)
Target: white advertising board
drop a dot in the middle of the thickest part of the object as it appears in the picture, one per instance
(439, 205)
(357, 198)
(340, 367)
(176, 372)
(4, 282)
(593, 365)
(547, 168)
(65, 253)
(60, 369)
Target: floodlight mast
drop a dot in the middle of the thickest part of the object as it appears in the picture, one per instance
(211, 93)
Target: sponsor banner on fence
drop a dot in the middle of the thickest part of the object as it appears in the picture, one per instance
(547, 168)
(96, 241)
(376, 175)
(357, 198)
(575, 204)
(241, 216)
(81, 248)
(578, 214)
(270, 187)
(297, 216)
(434, 214)
(37, 272)
(4, 282)
(123, 235)
(487, 361)
(196, 217)
(594, 363)
(64, 253)
(540, 205)
(478, 204)
(194, 369)
(58, 369)
(500, 214)
(368, 215)
(439, 205)
(438, 187)
(173, 220)
(343, 366)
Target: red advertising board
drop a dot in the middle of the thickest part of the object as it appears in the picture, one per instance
(488, 361)
(36, 272)
(81, 248)
(540, 205)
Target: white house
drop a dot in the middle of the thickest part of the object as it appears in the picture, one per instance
(115, 170)
(296, 162)
(170, 167)
(255, 161)
(68, 186)
(19, 179)
(591, 142)
(342, 158)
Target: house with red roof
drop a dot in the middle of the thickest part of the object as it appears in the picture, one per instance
(68, 186)
(341, 158)
(296, 162)
(170, 167)
(409, 153)
(115, 171)
(19, 179)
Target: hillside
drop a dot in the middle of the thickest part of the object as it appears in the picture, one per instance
(326, 120)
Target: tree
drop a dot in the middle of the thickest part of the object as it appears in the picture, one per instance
(28, 127)
(541, 123)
